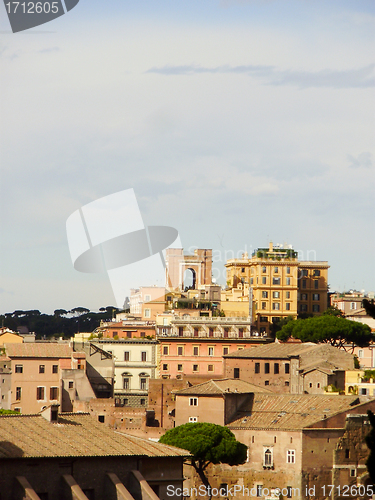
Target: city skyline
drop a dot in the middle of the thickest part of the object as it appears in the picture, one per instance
(236, 122)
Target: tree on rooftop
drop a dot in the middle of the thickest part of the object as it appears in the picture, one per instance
(334, 330)
(208, 444)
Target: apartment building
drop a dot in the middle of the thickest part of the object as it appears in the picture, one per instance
(280, 284)
(196, 345)
(36, 373)
(295, 368)
(135, 363)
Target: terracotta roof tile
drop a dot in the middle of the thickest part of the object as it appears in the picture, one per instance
(38, 350)
(217, 387)
(289, 411)
(273, 350)
(75, 435)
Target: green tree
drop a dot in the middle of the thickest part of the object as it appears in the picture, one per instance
(208, 444)
(334, 330)
(370, 441)
(369, 307)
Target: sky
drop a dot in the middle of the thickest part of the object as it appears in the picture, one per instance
(237, 122)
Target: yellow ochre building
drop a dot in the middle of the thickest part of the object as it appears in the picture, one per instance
(281, 285)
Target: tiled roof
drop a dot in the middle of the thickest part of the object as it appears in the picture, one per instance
(273, 350)
(38, 350)
(213, 387)
(75, 435)
(289, 411)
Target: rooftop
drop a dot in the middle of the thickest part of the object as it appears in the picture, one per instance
(273, 350)
(289, 411)
(38, 350)
(218, 387)
(74, 435)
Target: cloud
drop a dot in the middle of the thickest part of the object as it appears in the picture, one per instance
(353, 78)
(364, 159)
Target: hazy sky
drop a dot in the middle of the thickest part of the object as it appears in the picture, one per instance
(236, 122)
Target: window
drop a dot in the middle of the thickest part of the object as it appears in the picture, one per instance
(287, 368)
(288, 270)
(143, 356)
(360, 353)
(193, 401)
(287, 306)
(193, 419)
(55, 368)
(316, 284)
(71, 384)
(18, 393)
(143, 384)
(266, 382)
(316, 308)
(147, 313)
(165, 366)
(114, 334)
(210, 368)
(286, 383)
(129, 335)
(287, 295)
(276, 295)
(196, 332)
(276, 368)
(226, 332)
(179, 368)
(303, 296)
(264, 295)
(195, 350)
(143, 334)
(304, 272)
(347, 453)
(264, 269)
(288, 281)
(353, 305)
(236, 373)
(363, 391)
(225, 350)
(147, 298)
(291, 456)
(210, 351)
(257, 367)
(304, 283)
(40, 391)
(264, 280)
(126, 383)
(54, 393)
(276, 306)
(316, 296)
(267, 457)
(101, 419)
(276, 270)
(240, 333)
(180, 350)
(316, 272)
(264, 305)
(242, 269)
(19, 369)
(276, 281)
(180, 331)
(353, 473)
(195, 368)
(266, 367)
(303, 307)
(143, 402)
(263, 319)
(127, 356)
(211, 332)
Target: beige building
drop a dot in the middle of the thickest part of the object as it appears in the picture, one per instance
(297, 444)
(8, 336)
(281, 285)
(73, 456)
(36, 373)
(296, 368)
